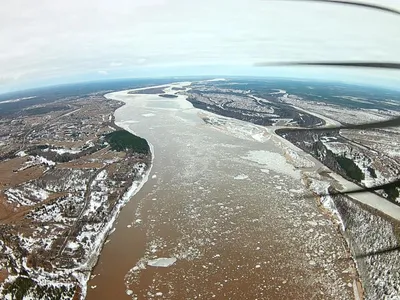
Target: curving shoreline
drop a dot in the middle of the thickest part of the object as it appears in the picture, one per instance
(136, 186)
(107, 230)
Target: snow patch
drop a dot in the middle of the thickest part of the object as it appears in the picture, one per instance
(42, 160)
(21, 154)
(73, 245)
(62, 151)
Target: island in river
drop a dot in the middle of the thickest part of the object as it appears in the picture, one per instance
(168, 95)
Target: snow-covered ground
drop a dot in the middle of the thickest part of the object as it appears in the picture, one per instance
(86, 210)
(91, 236)
(370, 199)
(382, 173)
(61, 151)
(373, 239)
(334, 115)
(385, 141)
(26, 195)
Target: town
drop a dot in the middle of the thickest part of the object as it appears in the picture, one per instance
(66, 171)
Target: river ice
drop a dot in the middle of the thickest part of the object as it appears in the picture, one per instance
(225, 204)
(162, 262)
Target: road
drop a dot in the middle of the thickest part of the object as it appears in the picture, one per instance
(40, 126)
(370, 199)
(86, 202)
(367, 198)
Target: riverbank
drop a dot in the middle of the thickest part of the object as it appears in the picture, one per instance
(65, 213)
(107, 229)
(362, 216)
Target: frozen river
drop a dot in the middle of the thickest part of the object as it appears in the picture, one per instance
(223, 215)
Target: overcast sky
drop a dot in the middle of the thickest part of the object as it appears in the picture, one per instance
(49, 41)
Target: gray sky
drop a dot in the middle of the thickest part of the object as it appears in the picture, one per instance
(48, 41)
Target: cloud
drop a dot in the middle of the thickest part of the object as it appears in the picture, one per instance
(141, 61)
(52, 38)
(116, 64)
(102, 72)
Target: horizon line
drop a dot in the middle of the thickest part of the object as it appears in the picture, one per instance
(308, 79)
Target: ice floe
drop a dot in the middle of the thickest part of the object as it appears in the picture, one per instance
(162, 262)
(272, 161)
(241, 177)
